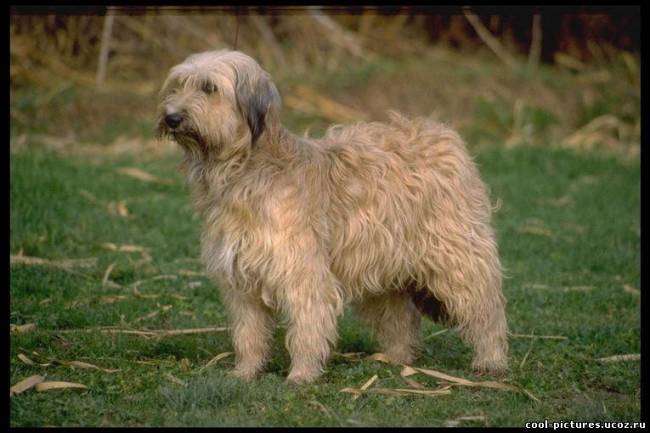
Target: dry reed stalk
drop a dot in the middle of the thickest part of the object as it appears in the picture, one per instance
(105, 47)
(536, 43)
(336, 33)
(269, 38)
(492, 42)
(396, 25)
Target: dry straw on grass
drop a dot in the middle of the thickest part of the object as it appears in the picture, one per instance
(216, 359)
(146, 332)
(25, 384)
(75, 364)
(21, 329)
(447, 383)
(621, 358)
(66, 264)
(48, 386)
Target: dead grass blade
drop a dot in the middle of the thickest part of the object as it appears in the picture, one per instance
(80, 364)
(47, 386)
(216, 359)
(153, 314)
(380, 357)
(407, 391)
(185, 365)
(621, 358)
(174, 379)
(138, 294)
(435, 334)
(188, 273)
(543, 337)
(326, 410)
(413, 383)
(21, 329)
(124, 248)
(358, 391)
(138, 283)
(129, 249)
(578, 288)
(536, 230)
(109, 331)
(409, 371)
(113, 299)
(171, 332)
(459, 381)
(351, 390)
(118, 208)
(365, 386)
(146, 332)
(142, 175)
(25, 384)
(63, 264)
(455, 381)
(525, 358)
(631, 290)
(107, 274)
(355, 356)
(25, 359)
(456, 422)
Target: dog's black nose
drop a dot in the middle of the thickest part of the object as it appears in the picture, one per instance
(173, 120)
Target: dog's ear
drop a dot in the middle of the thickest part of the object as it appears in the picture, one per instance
(255, 100)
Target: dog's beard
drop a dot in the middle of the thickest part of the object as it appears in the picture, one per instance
(190, 140)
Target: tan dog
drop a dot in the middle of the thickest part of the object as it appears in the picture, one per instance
(388, 217)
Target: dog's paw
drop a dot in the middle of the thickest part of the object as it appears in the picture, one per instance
(490, 368)
(302, 377)
(400, 356)
(246, 374)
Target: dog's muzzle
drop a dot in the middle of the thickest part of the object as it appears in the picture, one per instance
(173, 120)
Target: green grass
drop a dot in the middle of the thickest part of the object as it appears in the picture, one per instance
(569, 235)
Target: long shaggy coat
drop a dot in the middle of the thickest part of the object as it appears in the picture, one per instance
(389, 217)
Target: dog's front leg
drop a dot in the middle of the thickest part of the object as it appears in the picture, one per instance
(312, 305)
(252, 332)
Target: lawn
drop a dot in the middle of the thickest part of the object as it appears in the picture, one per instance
(568, 227)
(105, 241)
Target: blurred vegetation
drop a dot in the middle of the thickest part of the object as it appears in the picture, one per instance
(578, 86)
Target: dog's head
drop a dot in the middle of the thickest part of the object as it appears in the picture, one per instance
(217, 102)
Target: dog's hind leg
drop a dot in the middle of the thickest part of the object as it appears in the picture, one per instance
(396, 324)
(470, 297)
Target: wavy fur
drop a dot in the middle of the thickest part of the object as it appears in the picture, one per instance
(385, 216)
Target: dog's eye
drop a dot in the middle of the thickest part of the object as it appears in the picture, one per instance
(208, 88)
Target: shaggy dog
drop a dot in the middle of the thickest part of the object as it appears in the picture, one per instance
(389, 217)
